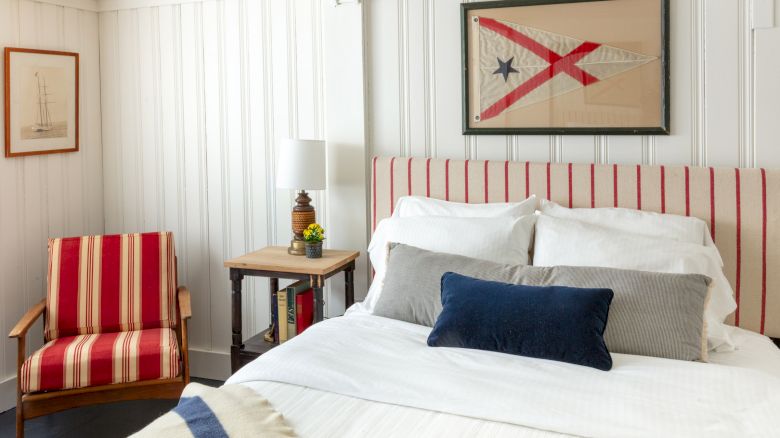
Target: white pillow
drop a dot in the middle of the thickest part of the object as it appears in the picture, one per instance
(575, 243)
(499, 239)
(646, 223)
(409, 206)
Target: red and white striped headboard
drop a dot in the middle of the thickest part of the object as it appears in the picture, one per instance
(744, 221)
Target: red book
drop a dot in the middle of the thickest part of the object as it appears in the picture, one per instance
(304, 310)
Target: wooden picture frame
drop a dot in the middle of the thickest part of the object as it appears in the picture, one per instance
(41, 102)
(619, 83)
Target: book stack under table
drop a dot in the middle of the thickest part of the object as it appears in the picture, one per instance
(292, 311)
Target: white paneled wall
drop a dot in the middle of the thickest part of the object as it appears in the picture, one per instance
(195, 98)
(49, 195)
(724, 91)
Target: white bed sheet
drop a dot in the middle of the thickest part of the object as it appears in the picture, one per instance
(335, 406)
(322, 414)
(752, 351)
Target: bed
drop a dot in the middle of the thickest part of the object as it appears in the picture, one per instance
(365, 375)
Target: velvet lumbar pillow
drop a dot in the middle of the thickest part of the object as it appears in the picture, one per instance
(555, 322)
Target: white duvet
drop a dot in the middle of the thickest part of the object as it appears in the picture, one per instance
(388, 361)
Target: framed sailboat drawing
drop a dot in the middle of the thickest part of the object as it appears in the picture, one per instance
(565, 67)
(41, 102)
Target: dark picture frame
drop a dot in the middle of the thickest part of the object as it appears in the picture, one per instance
(663, 128)
(53, 126)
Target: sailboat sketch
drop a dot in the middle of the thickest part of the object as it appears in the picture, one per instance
(41, 101)
(45, 109)
(44, 117)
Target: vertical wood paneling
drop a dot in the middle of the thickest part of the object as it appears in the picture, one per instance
(624, 149)
(148, 92)
(129, 159)
(768, 89)
(168, 120)
(578, 149)
(215, 164)
(193, 135)
(109, 107)
(10, 220)
(721, 79)
(746, 61)
(446, 56)
(386, 87)
(205, 91)
(258, 128)
(50, 195)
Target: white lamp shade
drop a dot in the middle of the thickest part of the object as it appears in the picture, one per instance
(301, 165)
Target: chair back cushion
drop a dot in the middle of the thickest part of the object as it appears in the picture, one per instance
(106, 284)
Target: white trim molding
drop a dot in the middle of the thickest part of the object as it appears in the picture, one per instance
(119, 5)
(85, 5)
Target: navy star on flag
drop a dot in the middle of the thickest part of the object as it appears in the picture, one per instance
(521, 65)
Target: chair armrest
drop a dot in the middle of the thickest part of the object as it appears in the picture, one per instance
(27, 320)
(185, 308)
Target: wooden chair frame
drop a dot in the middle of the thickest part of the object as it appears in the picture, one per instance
(36, 404)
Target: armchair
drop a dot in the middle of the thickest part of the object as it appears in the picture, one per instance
(115, 326)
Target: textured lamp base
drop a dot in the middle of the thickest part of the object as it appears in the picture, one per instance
(302, 215)
(297, 247)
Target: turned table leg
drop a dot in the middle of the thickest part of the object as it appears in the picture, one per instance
(349, 286)
(273, 285)
(236, 278)
(319, 304)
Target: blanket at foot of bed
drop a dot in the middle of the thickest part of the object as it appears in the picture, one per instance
(229, 411)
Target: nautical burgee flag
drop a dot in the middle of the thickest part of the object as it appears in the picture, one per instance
(520, 65)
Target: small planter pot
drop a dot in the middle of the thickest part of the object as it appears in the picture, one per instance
(313, 250)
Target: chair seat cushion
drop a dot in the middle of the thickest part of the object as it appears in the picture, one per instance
(101, 359)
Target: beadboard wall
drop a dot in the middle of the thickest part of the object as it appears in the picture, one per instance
(48, 195)
(196, 96)
(724, 91)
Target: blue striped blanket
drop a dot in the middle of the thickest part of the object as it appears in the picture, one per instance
(229, 411)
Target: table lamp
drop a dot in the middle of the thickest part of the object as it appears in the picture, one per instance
(301, 166)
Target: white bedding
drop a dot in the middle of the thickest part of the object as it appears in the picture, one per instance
(351, 368)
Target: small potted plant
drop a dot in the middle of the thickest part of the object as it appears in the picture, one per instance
(314, 234)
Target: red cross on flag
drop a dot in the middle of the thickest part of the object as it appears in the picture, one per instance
(521, 65)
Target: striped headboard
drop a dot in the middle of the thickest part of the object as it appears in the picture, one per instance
(744, 220)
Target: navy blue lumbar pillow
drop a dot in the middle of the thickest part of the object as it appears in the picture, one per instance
(553, 322)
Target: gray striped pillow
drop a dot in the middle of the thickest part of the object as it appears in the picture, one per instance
(652, 314)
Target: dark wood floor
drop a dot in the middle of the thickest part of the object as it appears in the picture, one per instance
(104, 421)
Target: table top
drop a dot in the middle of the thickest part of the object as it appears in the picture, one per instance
(275, 258)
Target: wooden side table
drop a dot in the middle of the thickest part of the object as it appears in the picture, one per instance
(274, 262)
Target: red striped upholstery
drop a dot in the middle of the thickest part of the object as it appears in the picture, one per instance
(105, 284)
(738, 204)
(102, 359)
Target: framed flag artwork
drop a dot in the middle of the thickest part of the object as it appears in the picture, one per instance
(41, 102)
(565, 67)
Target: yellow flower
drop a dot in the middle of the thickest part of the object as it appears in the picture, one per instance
(314, 233)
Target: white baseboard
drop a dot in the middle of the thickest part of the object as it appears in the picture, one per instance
(7, 394)
(206, 364)
(209, 364)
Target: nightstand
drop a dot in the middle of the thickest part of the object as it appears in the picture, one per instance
(274, 262)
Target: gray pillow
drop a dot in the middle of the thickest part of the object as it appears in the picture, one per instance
(652, 313)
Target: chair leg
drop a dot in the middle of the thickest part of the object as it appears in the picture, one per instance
(19, 420)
